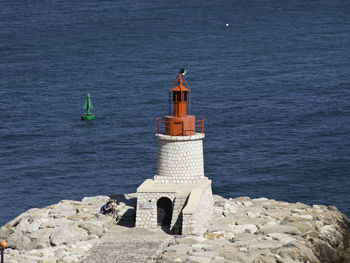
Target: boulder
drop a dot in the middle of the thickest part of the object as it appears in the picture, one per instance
(19, 241)
(283, 238)
(63, 235)
(28, 225)
(101, 199)
(197, 259)
(70, 259)
(57, 222)
(206, 254)
(332, 236)
(239, 229)
(274, 228)
(93, 227)
(40, 238)
(215, 235)
(5, 232)
(200, 247)
(178, 248)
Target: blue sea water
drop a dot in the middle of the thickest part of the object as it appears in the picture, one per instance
(273, 87)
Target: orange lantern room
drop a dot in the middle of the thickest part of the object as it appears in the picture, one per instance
(180, 122)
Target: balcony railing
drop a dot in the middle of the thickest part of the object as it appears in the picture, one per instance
(162, 124)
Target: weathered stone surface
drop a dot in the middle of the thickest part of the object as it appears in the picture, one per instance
(5, 232)
(94, 227)
(267, 229)
(96, 199)
(178, 248)
(283, 238)
(200, 247)
(206, 254)
(62, 235)
(243, 230)
(332, 236)
(239, 229)
(197, 259)
(18, 240)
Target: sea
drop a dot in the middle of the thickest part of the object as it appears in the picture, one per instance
(270, 78)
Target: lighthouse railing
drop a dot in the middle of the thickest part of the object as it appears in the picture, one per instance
(162, 125)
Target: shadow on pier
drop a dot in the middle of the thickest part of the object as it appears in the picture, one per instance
(128, 217)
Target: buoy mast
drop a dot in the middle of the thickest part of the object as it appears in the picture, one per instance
(87, 106)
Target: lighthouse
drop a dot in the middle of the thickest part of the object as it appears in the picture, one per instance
(179, 197)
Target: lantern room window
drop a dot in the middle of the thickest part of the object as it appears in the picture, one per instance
(177, 96)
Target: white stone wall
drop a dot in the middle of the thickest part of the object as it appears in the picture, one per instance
(180, 159)
(146, 211)
(197, 223)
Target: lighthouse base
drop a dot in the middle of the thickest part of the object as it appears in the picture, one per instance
(185, 209)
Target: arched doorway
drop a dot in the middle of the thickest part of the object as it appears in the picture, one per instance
(164, 212)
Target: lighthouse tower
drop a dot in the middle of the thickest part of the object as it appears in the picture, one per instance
(179, 197)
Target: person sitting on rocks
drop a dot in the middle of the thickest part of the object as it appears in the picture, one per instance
(109, 208)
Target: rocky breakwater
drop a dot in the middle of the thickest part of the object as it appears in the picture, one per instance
(242, 230)
(63, 232)
(267, 231)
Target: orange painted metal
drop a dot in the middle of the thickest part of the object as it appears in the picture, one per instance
(163, 124)
(180, 122)
(180, 126)
(180, 97)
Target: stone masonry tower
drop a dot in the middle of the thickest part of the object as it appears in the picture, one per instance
(179, 197)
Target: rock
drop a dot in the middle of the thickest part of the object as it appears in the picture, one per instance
(218, 211)
(239, 229)
(303, 226)
(80, 246)
(178, 248)
(206, 254)
(332, 236)
(333, 208)
(265, 244)
(240, 199)
(200, 247)
(63, 235)
(319, 224)
(70, 259)
(219, 201)
(219, 259)
(286, 260)
(247, 203)
(5, 232)
(214, 235)
(325, 251)
(18, 241)
(243, 230)
(230, 208)
(197, 259)
(253, 214)
(28, 225)
(101, 199)
(261, 199)
(247, 257)
(268, 228)
(283, 238)
(303, 216)
(57, 222)
(40, 238)
(93, 227)
(307, 254)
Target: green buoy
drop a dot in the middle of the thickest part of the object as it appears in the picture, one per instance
(87, 106)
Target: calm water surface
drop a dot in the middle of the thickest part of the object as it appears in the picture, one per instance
(273, 87)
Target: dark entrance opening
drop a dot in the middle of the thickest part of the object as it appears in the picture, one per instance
(164, 213)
